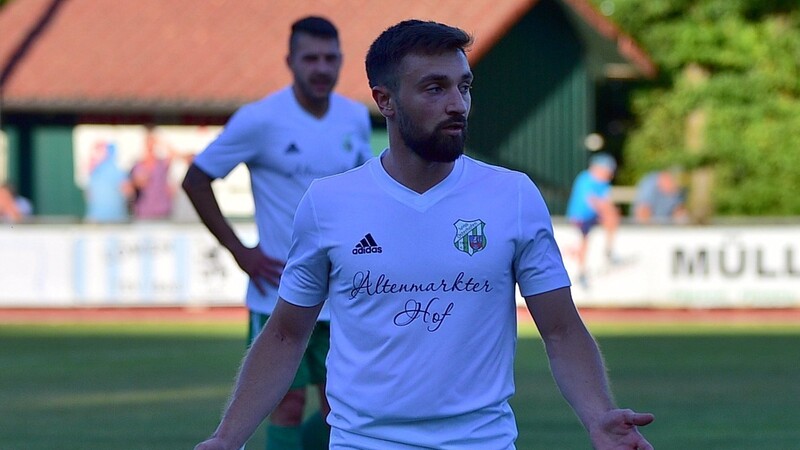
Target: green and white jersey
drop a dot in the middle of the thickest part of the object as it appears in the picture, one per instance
(285, 148)
(421, 289)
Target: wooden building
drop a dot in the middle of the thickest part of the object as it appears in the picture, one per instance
(65, 63)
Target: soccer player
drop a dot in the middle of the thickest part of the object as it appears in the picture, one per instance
(286, 140)
(423, 326)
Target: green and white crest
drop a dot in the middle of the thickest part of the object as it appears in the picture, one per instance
(470, 237)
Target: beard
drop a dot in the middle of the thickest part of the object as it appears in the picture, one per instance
(434, 146)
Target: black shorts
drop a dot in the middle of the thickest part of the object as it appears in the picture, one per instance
(585, 225)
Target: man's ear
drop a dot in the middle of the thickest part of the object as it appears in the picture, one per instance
(384, 100)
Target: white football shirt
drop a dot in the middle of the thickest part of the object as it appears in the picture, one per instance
(285, 148)
(421, 289)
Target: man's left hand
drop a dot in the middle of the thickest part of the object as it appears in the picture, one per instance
(617, 430)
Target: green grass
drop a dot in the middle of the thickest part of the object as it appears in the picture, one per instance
(711, 387)
(162, 386)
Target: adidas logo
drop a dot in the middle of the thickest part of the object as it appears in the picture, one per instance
(367, 245)
(292, 148)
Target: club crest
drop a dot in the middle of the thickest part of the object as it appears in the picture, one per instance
(469, 236)
(348, 143)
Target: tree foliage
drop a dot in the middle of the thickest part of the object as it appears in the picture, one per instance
(748, 52)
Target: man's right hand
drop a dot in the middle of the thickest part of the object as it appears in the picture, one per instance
(260, 267)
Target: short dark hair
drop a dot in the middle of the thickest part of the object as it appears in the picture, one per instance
(315, 26)
(410, 37)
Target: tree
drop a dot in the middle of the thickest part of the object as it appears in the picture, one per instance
(727, 98)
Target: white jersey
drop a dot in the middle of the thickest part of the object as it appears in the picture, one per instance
(285, 148)
(421, 289)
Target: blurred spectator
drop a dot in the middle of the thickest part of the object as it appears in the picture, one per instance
(150, 179)
(109, 189)
(659, 198)
(590, 204)
(13, 208)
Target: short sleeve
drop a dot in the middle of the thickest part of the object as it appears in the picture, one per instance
(238, 143)
(537, 263)
(305, 278)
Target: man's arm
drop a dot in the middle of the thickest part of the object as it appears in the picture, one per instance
(604, 207)
(645, 193)
(260, 267)
(642, 213)
(266, 374)
(580, 374)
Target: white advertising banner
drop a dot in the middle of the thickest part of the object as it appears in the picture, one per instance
(154, 264)
(117, 265)
(714, 266)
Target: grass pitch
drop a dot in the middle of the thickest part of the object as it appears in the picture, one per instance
(162, 386)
